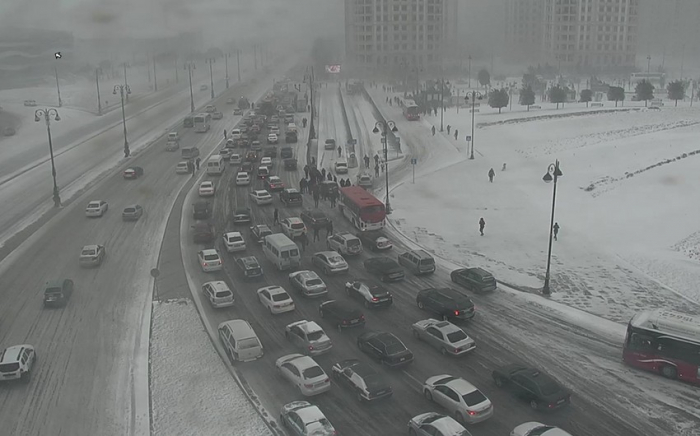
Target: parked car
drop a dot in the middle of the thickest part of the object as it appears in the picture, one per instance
(434, 424)
(444, 336)
(417, 261)
(203, 232)
(217, 115)
(57, 293)
(314, 218)
(242, 179)
(532, 385)
(538, 429)
(17, 362)
(132, 213)
(218, 294)
(370, 294)
(374, 240)
(266, 161)
(249, 267)
(241, 215)
(386, 268)
(301, 418)
(235, 159)
(341, 167)
(207, 189)
(274, 184)
(293, 227)
(133, 173)
(368, 384)
(237, 111)
(276, 299)
(330, 262)
(240, 341)
(308, 283)
(209, 260)
(30, 103)
(291, 197)
(446, 303)
(304, 373)
(344, 243)
(261, 197)
(385, 347)
(92, 255)
(233, 241)
(309, 337)
(258, 232)
(341, 314)
(474, 279)
(182, 167)
(263, 172)
(225, 153)
(460, 398)
(96, 208)
(272, 138)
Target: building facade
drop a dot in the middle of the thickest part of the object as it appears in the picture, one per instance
(524, 31)
(386, 35)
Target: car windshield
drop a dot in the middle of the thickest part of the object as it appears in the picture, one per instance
(93, 205)
(474, 398)
(282, 296)
(129, 210)
(429, 261)
(223, 294)
(314, 336)
(89, 252)
(248, 343)
(314, 282)
(374, 382)
(313, 372)
(547, 385)
(395, 348)
(211, 257)
(335, 259)
(9, 367)
(456, 336)
(235, 239)
(353, 243)
(297, 226)
(53, 291)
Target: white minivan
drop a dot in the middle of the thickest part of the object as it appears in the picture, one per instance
(216, 164)
(281, 251)
(240, 341)
(236, 134)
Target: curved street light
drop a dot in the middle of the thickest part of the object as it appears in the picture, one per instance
(124, 90)
(475, 95)
(189, 66)
(553, 173)
(385, 127)
(211, 61)
(47, 114)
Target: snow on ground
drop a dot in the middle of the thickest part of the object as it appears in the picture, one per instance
(188, 375)
(615, 253)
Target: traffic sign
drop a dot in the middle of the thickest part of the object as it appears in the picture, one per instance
(333, 69)
(469, 138)
(414, 161)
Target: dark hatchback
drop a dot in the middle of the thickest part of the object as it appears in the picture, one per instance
(290, 164)
(241, 216)
(386, 268)
(286, 152)
(314, 218)
(386, 348)
(370, 294)
(446, 303)
(249, 267)
(203, 233)
(57, 292)
(341, 315)
(201, 210)
(474, 279)
(258, 232)
(532, 385)
(368, 384)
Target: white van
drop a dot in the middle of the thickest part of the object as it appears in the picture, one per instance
(216, 164)
(236, 134)
(291, 127)
(281, 251)
(240, 341)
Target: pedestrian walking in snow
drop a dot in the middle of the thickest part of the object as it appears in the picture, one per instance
(329, 176)
(225, 135)
(456, 134)
(306, 171)
(376, 170)
(191, 165)
(316, 232)
(304, 241)
(376, 158)
(333, 199)
(197, 163)
(504, 167)
(366, 161)
(448, 129)
(482, 224)
(316, 198)
(335, 179)
(323, 173)
(329, 228)
(340, 151)
(556, 230)
(383, 167)
(492, 173)
(433, 130)
(303, 122)
(302, 185)
(276, 217)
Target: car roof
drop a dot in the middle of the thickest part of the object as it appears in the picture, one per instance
(449, 427)
(55, 283)
(209, 251)
(242, 210)
(248, 260)
(342, 307)
(218, 285)
(346, 235)
(12, 354)
(480, 271)
(135, 206)
(291, 190)
(231, 234)
(274, 290)
(306, 275)
(309, 414)
(94, 201)
(207, 183)
(262, 227)
(294, 219)
(90, 247)
(310, 326)
(461, 386)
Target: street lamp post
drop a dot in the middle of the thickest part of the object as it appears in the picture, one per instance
(310, 78)
(123, 91)
(189, 66)
(553, 173)
(126, 83)
(470, 71)
(384, 127)
(648, 65)
(238, 63)
(255, 56)
(58, 87)
(475, 95)
(211, 61)
(97, 81)
(226, 61)
(47, 114)
(155, 79)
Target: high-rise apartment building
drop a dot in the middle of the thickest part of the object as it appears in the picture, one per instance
(524, 28)
(383, 35)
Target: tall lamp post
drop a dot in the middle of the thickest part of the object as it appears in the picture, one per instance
(309, 78)
(553, 173)
(123, 91)
(126, 83)
(47, 114)
(475, 95)
(226, 56)
(155, 79)
(189, 66)
(211, 61)
(238, 63)
(384, 127)
(470, 71)
(58, 87)
(98, 71)
(648, 65)
(442, 102)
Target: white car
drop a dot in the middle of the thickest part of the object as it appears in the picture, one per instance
(444, 336)
(182, 167)
(303, 372)
(16, 362)
(210, 260)
(330, 262)
(538, 429)
(341, 167)
(272, 138)
(434, 424)
(261, 197)
(308, 283)
(266, 162)
(276, 299)
(293, 227)
(234, 242)
(242, 179)
(309, 337)
(96, 208)
(206, 189)
(305, 419)
(235, 159)
(218, 293)
(460, 398)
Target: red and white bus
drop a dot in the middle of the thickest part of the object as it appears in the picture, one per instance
(664, 342)
(362, 208)
(410, 110)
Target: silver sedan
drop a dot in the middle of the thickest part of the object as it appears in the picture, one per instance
(443, 335)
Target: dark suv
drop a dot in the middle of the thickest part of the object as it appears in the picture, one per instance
(385, 347)
(341, 314)
(532, 385)
(249, 267)
(291, 197)
(474, 279)
(57, 292)
(203, 233)
(446, 302)
(201, 210)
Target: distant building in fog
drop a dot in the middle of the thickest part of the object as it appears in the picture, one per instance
(133, 46)
(586, 35)
(393, 35)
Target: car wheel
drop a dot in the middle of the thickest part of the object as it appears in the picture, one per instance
(498, 381)
(328, 244)
(534, 405)
(420, 305)
(270, 309)
(415, 334)
(320, 312)
(283, 421)
(428, 395)
(669, 372)
(460, 418)
(26, 377)
(327, 270)
(443, 351)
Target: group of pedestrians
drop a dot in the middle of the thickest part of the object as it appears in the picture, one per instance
(193, 166)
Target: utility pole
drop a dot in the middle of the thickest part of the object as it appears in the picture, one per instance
(176, 78)
(255, 57)
(189, 66)
(58, 87)
(211, 61)
(155, 79)
(470, 71)
(226, 55)
(97, 81)
(238, 63)
(127, 83)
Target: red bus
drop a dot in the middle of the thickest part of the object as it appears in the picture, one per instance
(664, 342)
(410, 110)
(362, 209)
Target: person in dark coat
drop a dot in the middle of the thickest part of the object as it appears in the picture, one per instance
(323, 173)
(376, 158)
(306, 171)
(433, 130)
(191, 167)
(482, 224)
(333, 198)
(376, 170)
(302, 186)
(556, 230)
(304, 241)
(492, 173)
(316, 232)
(316, 198)
(456, 134)
(329, 228)
(448, 129)
(275, 217)
(340, 151)
(225, 135)
(197, 163)
(335, 179)
(329, 176)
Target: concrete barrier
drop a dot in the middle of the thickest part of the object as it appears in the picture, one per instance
(597, 105)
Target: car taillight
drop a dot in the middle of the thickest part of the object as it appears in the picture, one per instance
(456, 312)
(551, 406)
(457, 350)
(205, 264)
(345, 321)
(471, 412)
(375, 299)
(362, 317)
(311, 347)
